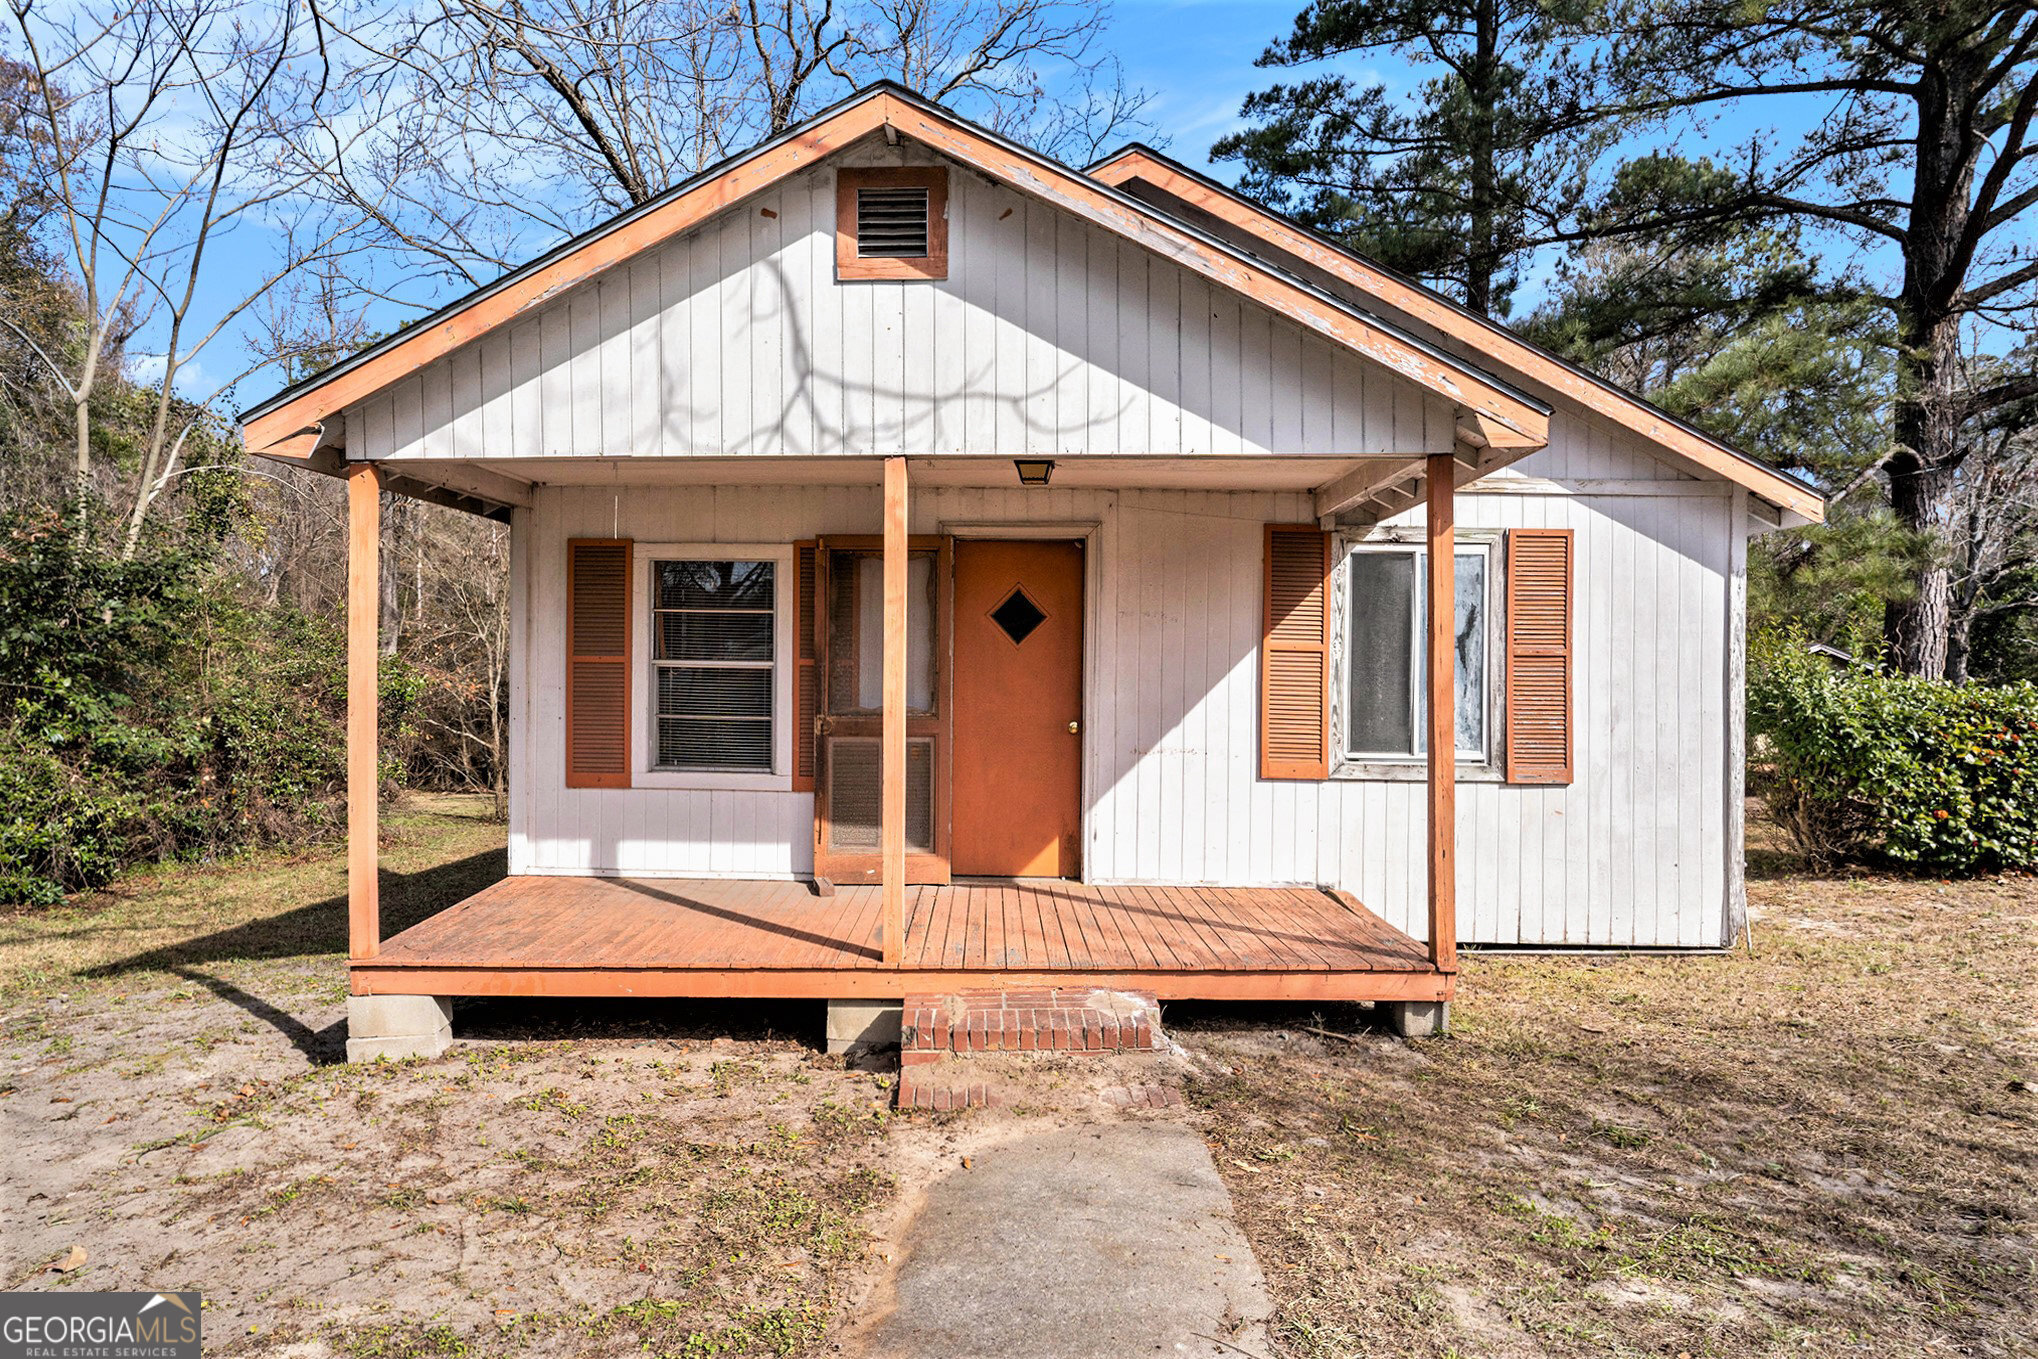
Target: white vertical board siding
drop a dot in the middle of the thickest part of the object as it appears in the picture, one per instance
(638, 830)
(1632, 852)
(556, 829)
(1049, 337)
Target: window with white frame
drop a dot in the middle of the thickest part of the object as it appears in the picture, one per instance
(1384, 676)
(714, 655)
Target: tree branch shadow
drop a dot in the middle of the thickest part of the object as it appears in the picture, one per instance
(314, 931)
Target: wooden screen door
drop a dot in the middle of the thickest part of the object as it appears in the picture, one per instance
(1018, 703)
(849, 759)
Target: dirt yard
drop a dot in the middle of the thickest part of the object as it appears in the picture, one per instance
(1824, 1148)
(687, 1182)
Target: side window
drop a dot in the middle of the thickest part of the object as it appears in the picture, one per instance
(1385, 673)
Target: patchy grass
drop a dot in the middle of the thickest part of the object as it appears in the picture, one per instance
(1826, 1146)
(607, 1179)
(183, 920)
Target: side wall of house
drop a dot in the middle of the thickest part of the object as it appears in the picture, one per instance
(1633, 852)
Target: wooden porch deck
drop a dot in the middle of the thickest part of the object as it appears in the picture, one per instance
(564, 936)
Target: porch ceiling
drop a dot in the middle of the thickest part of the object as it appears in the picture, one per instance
(1259, 473)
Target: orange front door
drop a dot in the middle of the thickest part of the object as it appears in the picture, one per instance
(1018, 687)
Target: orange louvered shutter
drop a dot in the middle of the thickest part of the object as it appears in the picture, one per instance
(806, 674)
(598, 663)
(1539, 656)
(1295, 655)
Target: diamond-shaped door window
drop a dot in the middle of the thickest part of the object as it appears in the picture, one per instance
(1018, 615)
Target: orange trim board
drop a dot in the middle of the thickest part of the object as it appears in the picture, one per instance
(290, 428)
(1492, 341)
(880, 982)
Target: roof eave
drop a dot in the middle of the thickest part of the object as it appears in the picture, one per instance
(558, 252)
(1779, 488)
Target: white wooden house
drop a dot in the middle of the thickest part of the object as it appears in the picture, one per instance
(934, 566)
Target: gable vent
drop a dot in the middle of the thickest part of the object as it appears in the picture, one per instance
(891, 223)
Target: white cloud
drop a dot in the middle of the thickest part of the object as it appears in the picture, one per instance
(194, 380)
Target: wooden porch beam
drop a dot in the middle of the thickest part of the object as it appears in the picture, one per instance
(364, 657)
(890, 983)
(463, 479)
(1367, 479)
(449, 499)
(1391, 500)
(892, 837)
(1443, 719)
(1482, 431)
(1377, 491)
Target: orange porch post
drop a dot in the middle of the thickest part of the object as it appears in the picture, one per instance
(364, 543)
(892, 818)
(1443, 718)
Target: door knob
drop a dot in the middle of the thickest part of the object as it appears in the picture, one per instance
(1074, 727)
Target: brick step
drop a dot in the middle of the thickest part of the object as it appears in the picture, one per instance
(1046, 1019)
(918, 1091)
(940, 1035)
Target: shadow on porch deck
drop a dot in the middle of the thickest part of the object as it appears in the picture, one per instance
(670, 937)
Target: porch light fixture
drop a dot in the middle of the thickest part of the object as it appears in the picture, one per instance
(1034, 471)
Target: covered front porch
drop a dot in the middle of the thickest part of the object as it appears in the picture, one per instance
(1178, 607)
(562, 936)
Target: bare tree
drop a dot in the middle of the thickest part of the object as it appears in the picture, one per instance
(40, 305)
(484, 128)
(453, 591)
(159, 127)
(1992, 517)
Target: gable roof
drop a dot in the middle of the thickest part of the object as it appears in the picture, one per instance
(293, 423)
(1137, 167)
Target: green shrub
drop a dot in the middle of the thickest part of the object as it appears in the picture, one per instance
(57, 827)
(1861, 765)
(148, 711)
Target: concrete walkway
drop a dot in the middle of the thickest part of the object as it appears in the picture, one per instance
(1110, 1240)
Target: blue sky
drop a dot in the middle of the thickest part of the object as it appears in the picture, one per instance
(1196, 58)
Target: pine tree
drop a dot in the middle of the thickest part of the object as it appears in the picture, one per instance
(1456, 181)
(1746, 339)
(1907, 131)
